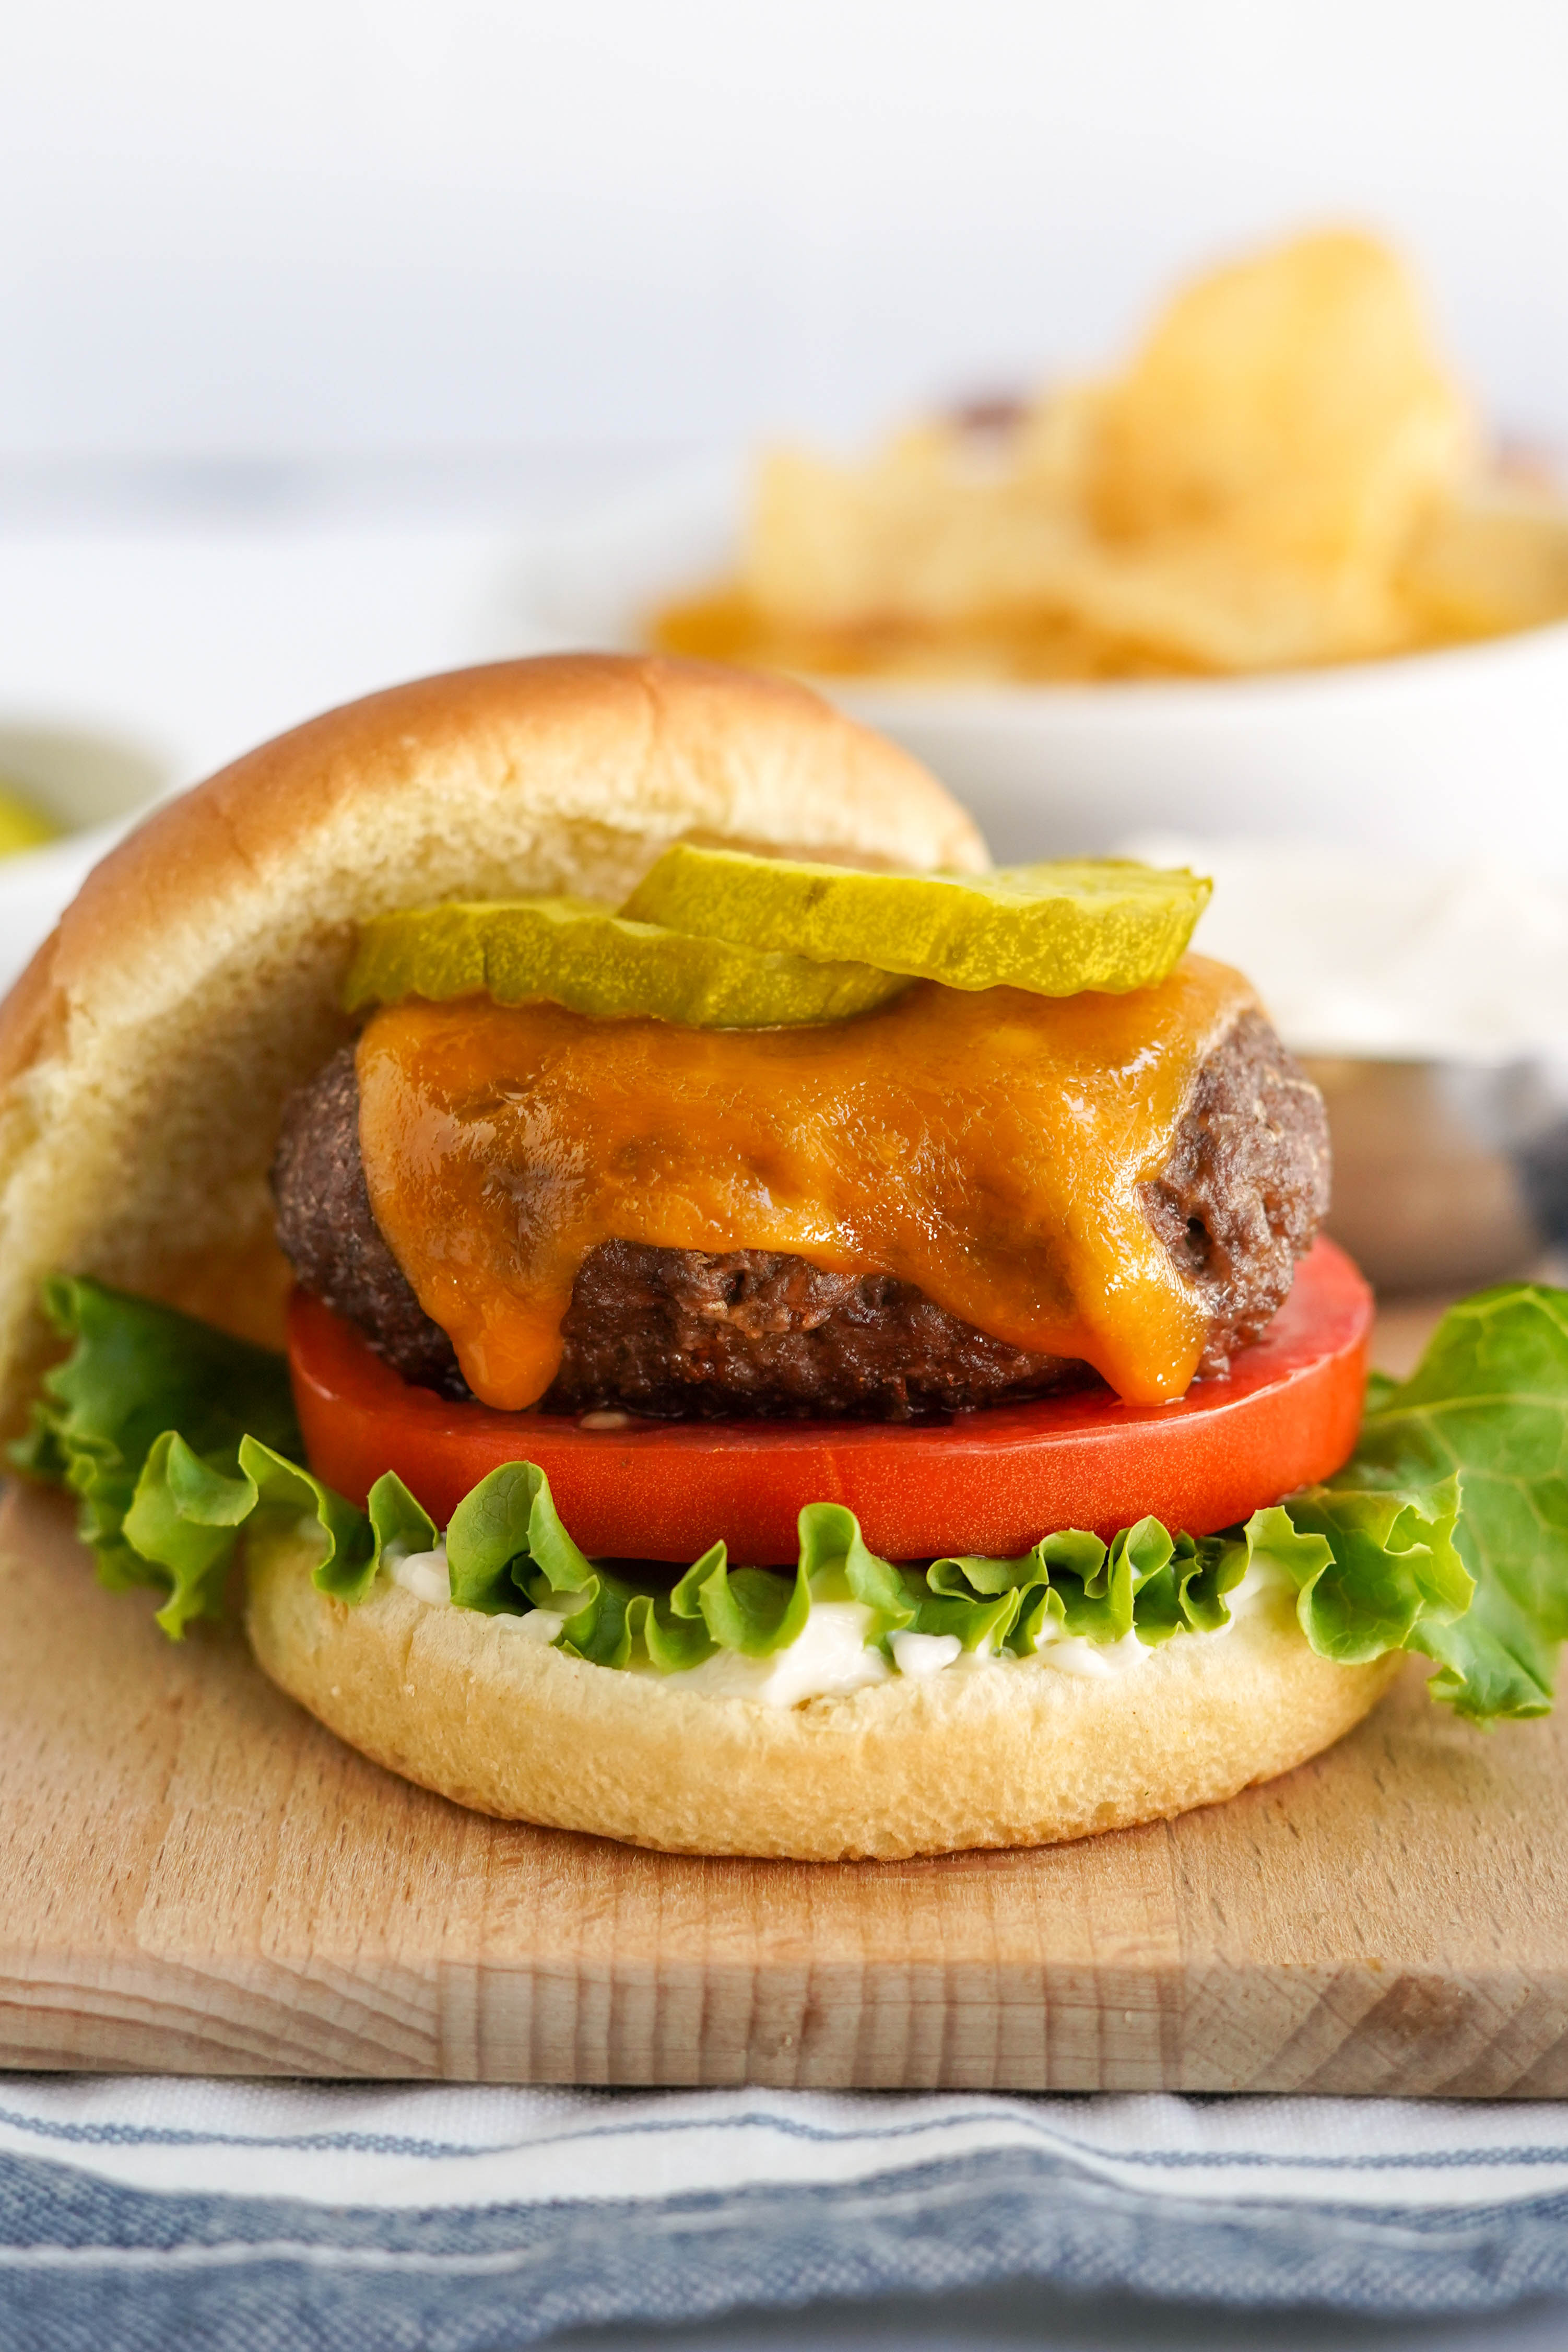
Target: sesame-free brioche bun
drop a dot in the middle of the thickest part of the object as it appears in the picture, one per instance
(146, 1051)
(1018, 1753)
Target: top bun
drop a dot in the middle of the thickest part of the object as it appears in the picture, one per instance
(146, 1051)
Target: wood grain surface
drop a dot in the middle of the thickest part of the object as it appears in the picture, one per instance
(196, 1877)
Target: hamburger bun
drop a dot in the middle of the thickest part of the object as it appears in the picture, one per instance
(1012, 1754)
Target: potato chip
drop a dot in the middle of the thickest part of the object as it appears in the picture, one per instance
(1489, 563)
(1204, 601)
(922, 533)
(1295, 402)
(1285, 476)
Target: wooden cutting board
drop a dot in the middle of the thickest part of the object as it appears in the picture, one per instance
(194, 1877)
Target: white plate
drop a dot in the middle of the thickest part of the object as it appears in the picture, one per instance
(1440, 754)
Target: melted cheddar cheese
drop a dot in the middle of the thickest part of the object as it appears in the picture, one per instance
(988, 1146)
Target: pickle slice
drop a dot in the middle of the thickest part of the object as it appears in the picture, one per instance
(592, 960)
(1055, 930)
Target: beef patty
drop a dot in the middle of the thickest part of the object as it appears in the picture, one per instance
(684, 1334)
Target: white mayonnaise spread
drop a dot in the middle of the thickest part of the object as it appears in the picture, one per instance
(423, 1573)
(540, 1625)
(1069, 1653)
(832, 1655)
(920, 1655)
(1262, 1586)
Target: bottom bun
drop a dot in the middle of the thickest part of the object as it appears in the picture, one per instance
(1018, 1753)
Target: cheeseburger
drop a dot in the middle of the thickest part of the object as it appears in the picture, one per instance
(711, 1316)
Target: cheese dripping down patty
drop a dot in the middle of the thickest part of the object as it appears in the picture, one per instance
(987, 1147)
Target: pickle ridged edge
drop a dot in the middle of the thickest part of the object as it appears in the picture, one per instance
(1055, 930)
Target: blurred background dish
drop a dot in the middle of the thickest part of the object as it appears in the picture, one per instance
(1430, 1003)
(1448, 1175)
(56, 781)
(68, 791)
(1445, 754)
(1270, 574)
(1441, 755)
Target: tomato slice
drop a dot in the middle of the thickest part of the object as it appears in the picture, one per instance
(988, 1482)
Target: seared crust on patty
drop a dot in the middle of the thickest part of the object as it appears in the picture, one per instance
(329, 1235)
(680, 1335)
(1245, 1186)
(684, 1334)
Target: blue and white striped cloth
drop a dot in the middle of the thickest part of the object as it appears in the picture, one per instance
(341, 2217)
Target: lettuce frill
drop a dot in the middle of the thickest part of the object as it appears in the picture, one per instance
(1446, 1533)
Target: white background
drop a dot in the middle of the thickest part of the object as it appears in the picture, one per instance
(344, 228)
